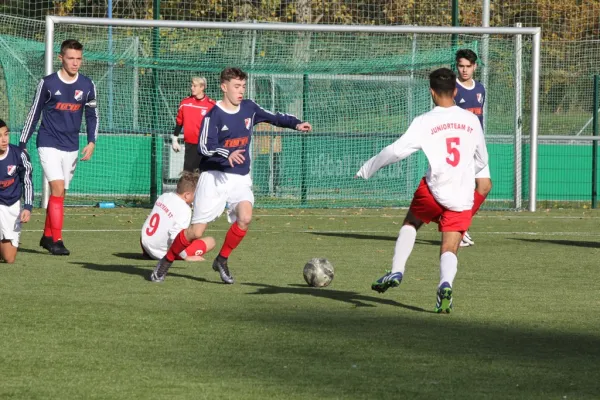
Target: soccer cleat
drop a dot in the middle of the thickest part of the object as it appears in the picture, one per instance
(220, 265)
(387, 281)
(46, 242)
(160, 271)
(466, 240)
(58, 249)
(444, 298)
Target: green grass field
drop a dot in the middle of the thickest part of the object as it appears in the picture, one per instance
(90, 326)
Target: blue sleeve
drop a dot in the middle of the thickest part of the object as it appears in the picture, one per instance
(208, 143)
(91, 114)
(277, 119)
(26, 179)
(40, 98)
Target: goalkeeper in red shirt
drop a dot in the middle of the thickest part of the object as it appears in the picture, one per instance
(191, 112)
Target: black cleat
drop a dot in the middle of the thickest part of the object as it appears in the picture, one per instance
(160, 271)
(46, 242)
(58, 249)
(220, 265)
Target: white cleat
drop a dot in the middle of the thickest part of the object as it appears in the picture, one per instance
(466, 240)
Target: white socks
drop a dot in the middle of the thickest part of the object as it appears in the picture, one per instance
(448, 267)
(404, 246)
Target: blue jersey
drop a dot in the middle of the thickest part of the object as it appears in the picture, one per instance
(15, 177)
(222, 132)
(61, 106)
(471, 99)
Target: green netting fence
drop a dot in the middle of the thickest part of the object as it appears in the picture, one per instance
(359, 90)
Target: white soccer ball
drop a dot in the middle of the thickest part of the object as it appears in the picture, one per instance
(318, 272)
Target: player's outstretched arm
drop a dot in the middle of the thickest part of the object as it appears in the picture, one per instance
(279, 119)
(408, 144)
(26, 172)
(39, 99)
(481, 153)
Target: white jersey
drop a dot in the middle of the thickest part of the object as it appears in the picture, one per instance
(453, 142)
(169, 216)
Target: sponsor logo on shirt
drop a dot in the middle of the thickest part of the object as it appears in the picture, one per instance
(57, 93)
(462, 101)
(236, 142)
(475, 110)
(78, 95)
(224, 128)
(68, 106)
(6, 183)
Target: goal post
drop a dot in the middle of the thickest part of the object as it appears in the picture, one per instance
(293, 81)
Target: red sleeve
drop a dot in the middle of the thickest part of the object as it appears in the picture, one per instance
(179, 119)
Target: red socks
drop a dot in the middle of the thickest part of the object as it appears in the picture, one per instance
(234, 236)
(178, 246)
(55, 216)
(479, 199)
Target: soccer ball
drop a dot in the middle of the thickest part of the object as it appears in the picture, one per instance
(318, 272)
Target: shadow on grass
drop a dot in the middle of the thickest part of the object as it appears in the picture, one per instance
(132, 256)
(355, 298)
(372, 237)
(574, 243)
(140, 271)
(32, 251)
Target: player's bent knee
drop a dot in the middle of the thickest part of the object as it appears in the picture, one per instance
(195, 231)
(210, 243)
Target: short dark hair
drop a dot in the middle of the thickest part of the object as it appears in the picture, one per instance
(70, 44)
(233, 73)
(443, 82)
(187, 181)
(467, 54)
(2, 123)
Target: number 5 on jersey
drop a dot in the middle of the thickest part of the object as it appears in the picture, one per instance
(452, 149)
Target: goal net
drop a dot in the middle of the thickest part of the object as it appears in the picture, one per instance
(359, 90)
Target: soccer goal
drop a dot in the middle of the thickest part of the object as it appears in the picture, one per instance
(359, 86)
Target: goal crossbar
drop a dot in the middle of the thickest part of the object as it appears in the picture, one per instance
(534, 32)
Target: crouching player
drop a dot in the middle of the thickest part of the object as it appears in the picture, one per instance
(15, 181)
(170, 215)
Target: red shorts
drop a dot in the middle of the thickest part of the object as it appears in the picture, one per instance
(427, 209)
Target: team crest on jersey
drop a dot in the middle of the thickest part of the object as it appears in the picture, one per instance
(78, 95)
(247, 121)
(11, 169)
(203, 112)
(480, 98)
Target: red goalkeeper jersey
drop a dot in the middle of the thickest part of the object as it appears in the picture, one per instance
(190, 115)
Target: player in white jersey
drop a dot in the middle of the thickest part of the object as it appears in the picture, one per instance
(169, 216)
(452, 140)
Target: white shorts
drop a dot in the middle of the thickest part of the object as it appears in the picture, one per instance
(10, 223)
(215, 191)
(484, 173)
(58, 165)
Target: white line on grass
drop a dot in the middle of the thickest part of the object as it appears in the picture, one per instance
(507, 216)
(348, 232)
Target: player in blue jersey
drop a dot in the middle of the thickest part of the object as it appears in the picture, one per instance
(62, 99)
(225, 140)
(15, 182)
(471, 96)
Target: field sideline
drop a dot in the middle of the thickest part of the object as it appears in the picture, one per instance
(90, 326)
